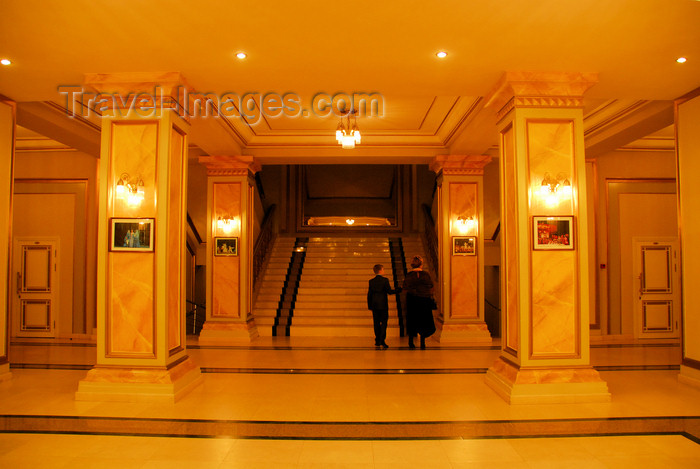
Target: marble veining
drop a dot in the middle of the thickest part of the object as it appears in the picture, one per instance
(131, 303)
(554, 309)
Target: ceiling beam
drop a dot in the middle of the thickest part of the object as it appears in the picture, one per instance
(52, 121)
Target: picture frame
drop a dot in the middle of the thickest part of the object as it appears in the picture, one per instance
(553, 233)
(464, 245)
(132, 234)
(225, 246)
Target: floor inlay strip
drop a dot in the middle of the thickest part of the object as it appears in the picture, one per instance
(689, 426)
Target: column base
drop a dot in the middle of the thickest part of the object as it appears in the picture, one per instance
(689, 376)
(214, 332)
(546, 385)
(471, 332)
(148, 384)
(5, 374)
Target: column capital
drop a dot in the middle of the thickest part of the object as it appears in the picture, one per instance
(135, 82)
(472, 165)
(230, 165)
(140, 91)
(540, 89)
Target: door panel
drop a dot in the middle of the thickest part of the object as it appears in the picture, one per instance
(657, 298)
(35, 300)
(656, 269)
(36, 268)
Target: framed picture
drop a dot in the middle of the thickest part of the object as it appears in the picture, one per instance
(132, 234)
(551, 233)
(226, 246)
(464, 246)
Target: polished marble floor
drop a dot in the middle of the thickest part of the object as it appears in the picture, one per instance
(341, 403)
(38, 451)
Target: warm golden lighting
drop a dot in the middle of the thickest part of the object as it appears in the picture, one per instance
(130, 190)
(552, 190)
(5, 61)
(348, 133)
(442, 54)
(681, 60)
(348, 221)
(241, 55)
(227, 224)
(465, 225)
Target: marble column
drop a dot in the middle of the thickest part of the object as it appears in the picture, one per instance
(688, 153)
(461, 246)
(7, 157)
(545, 353)
(141, 353)
(230, 200)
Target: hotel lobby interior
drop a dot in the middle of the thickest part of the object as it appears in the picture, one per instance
(194, 196)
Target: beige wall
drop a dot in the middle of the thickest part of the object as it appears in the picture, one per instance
(688, 115)
(7, 131)
(50, 216)
(72, 174)
(650, 172)
(647, 216)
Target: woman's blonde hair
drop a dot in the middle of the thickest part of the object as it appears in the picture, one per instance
(416, 262)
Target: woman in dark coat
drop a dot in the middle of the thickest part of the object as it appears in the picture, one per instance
(419, 292)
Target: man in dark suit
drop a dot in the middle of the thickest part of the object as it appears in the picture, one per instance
(378, 302)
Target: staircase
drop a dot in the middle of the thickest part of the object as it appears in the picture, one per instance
(330, 299)
(412, 246)
(268, 298)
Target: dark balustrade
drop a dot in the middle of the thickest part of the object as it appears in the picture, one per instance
(431, 241)
(264, 243)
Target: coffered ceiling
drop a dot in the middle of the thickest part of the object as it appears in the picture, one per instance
(431, 106)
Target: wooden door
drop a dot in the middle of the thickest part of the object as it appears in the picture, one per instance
(657, 293)
(35, 287)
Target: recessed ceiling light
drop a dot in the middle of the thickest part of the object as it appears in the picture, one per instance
(442, 54)
(681, 60)
(241, 55)
(5, 61)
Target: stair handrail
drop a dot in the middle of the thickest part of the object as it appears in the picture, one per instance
(431, 240)
(195, 307)
(262, 245)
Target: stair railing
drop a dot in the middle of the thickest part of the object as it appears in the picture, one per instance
(263, 244)
(431, 240)
(196, 314)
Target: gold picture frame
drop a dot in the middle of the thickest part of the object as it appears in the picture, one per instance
(553, 233)
(225, 246)
(132, 234)
(464, 245)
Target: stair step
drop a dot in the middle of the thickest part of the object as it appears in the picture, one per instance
(339, 331)
(325, 290)
(332, 291)
(334, 321)
(351, 310)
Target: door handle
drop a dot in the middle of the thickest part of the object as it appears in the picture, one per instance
(640, 285)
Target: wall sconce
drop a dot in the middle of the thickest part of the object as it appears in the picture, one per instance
(131, 190)
(465, 224)
(554, 189)
(226, 224)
